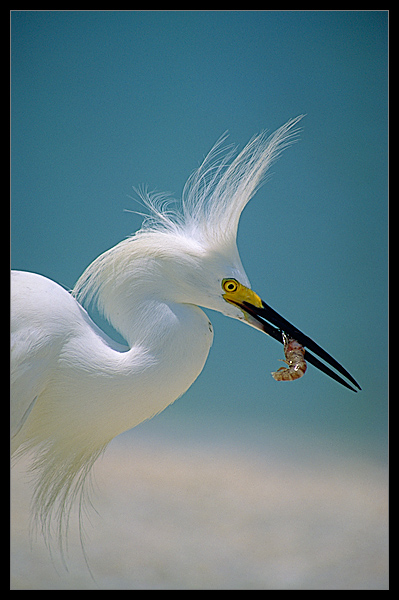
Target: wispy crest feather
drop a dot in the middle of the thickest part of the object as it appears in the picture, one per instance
(218, 191)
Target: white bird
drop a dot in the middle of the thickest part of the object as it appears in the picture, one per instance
(73, 388)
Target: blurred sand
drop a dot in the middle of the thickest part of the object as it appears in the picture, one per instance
(187, 516)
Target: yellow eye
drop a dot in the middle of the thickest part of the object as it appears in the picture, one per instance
(230, 285)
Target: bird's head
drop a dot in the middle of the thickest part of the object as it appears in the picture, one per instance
(194, 245)
(209, 278)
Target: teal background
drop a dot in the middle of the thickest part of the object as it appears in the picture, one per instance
(104, 101)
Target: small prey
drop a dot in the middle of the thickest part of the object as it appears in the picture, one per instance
(294, 358)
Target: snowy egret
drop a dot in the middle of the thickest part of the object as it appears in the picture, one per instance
(74, 389)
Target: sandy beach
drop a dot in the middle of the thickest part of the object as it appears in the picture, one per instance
(202, 516)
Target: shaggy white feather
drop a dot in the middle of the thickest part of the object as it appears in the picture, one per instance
(74, 389)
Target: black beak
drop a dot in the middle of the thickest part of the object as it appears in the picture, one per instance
(267, 313)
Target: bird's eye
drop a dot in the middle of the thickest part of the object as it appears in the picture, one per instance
(230, 285)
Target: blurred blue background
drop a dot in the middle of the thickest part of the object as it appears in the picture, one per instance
(104, 101)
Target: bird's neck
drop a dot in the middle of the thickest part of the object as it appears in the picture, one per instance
(169, 345)
(122, 389)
